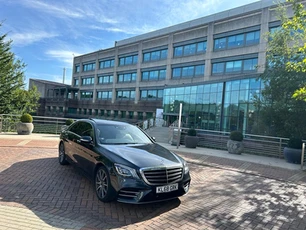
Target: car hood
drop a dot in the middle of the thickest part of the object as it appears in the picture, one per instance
(144, 155)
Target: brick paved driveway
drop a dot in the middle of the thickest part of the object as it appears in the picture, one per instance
(37, 193)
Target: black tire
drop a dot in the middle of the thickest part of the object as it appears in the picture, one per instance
(104, 190)
(62, 155)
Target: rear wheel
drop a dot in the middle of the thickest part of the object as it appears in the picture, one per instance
(103, 187)
(62, 155)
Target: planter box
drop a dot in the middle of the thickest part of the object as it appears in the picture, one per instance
(235, 147)
(24, 128)
(293, 155)
(191, 141)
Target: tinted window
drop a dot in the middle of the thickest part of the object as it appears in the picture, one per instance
(82, 128)
(121, 134)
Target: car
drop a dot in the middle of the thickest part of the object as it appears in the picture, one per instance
(124, 162)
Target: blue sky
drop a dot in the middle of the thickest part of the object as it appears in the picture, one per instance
(47, 34)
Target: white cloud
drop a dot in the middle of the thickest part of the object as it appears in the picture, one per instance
(65, 56)
(27, 38)
(56, 10)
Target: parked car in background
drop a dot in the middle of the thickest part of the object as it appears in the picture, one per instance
(124, 162)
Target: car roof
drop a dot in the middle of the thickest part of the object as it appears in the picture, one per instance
(106, 122)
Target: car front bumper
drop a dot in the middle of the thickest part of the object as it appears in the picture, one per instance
(137, 191)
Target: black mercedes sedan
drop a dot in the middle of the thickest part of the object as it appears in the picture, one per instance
(124, 162)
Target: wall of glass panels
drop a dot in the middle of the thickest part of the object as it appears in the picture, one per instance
(220, 106)
(201, 105)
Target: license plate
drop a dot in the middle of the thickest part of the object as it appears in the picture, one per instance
(167, 188)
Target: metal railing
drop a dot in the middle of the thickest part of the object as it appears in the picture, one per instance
(51, 125)
(253, 144)
(41, 124)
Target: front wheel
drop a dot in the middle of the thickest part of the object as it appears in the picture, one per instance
(103, 187)
(62, 155)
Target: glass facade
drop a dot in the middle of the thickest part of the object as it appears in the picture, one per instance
(224, 106)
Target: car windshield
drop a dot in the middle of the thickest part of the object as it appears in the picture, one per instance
(118, 134)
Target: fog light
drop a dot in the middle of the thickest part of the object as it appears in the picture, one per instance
(186, 187)
(140, 195)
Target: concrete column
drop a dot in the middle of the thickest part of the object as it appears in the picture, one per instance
(209, 51)
(169, 58)
(138, 79)
(264, 29)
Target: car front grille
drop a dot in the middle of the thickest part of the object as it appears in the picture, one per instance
(160, 176)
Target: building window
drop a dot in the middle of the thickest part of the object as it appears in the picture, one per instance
(72, 110)
(96, 112)
(86, 95)
(89, 111)
(153, 75)
(106, 64)
(108, 113)
(188, 71)
(252, 38)
(88, 81)
(140, 115)
(238, 40)
(131, 114)
(104, 95)
(105, 79)
(49, 108)
(60, 109)
(127, 77)
(190, 49)
(89, 67)
(152, 94)
(76, 82)
(102, 112)
(129, 60)
(123, 114)
(237, 66)
(126, 95)
(77, 69)
(155, 55)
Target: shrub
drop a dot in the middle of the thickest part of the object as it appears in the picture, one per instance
(69, 121)
(295, 143)
(192, 132)
(26, 118)
(236, 136)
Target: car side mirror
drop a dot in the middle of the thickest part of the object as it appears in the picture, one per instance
(86, 139)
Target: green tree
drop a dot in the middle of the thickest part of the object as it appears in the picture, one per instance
(297, 23)
(13, 96)
(282, 114)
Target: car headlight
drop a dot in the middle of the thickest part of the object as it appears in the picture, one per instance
(186, 168)
(126, 171)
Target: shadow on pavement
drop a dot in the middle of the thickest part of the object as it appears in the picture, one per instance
(46, 188)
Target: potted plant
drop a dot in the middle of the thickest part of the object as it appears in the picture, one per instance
(235, 144)
(68, 122)
(191, 139)
(25, 126)
(293, 151)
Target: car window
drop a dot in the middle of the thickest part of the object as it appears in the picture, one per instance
(82, 128)
(121, 134)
